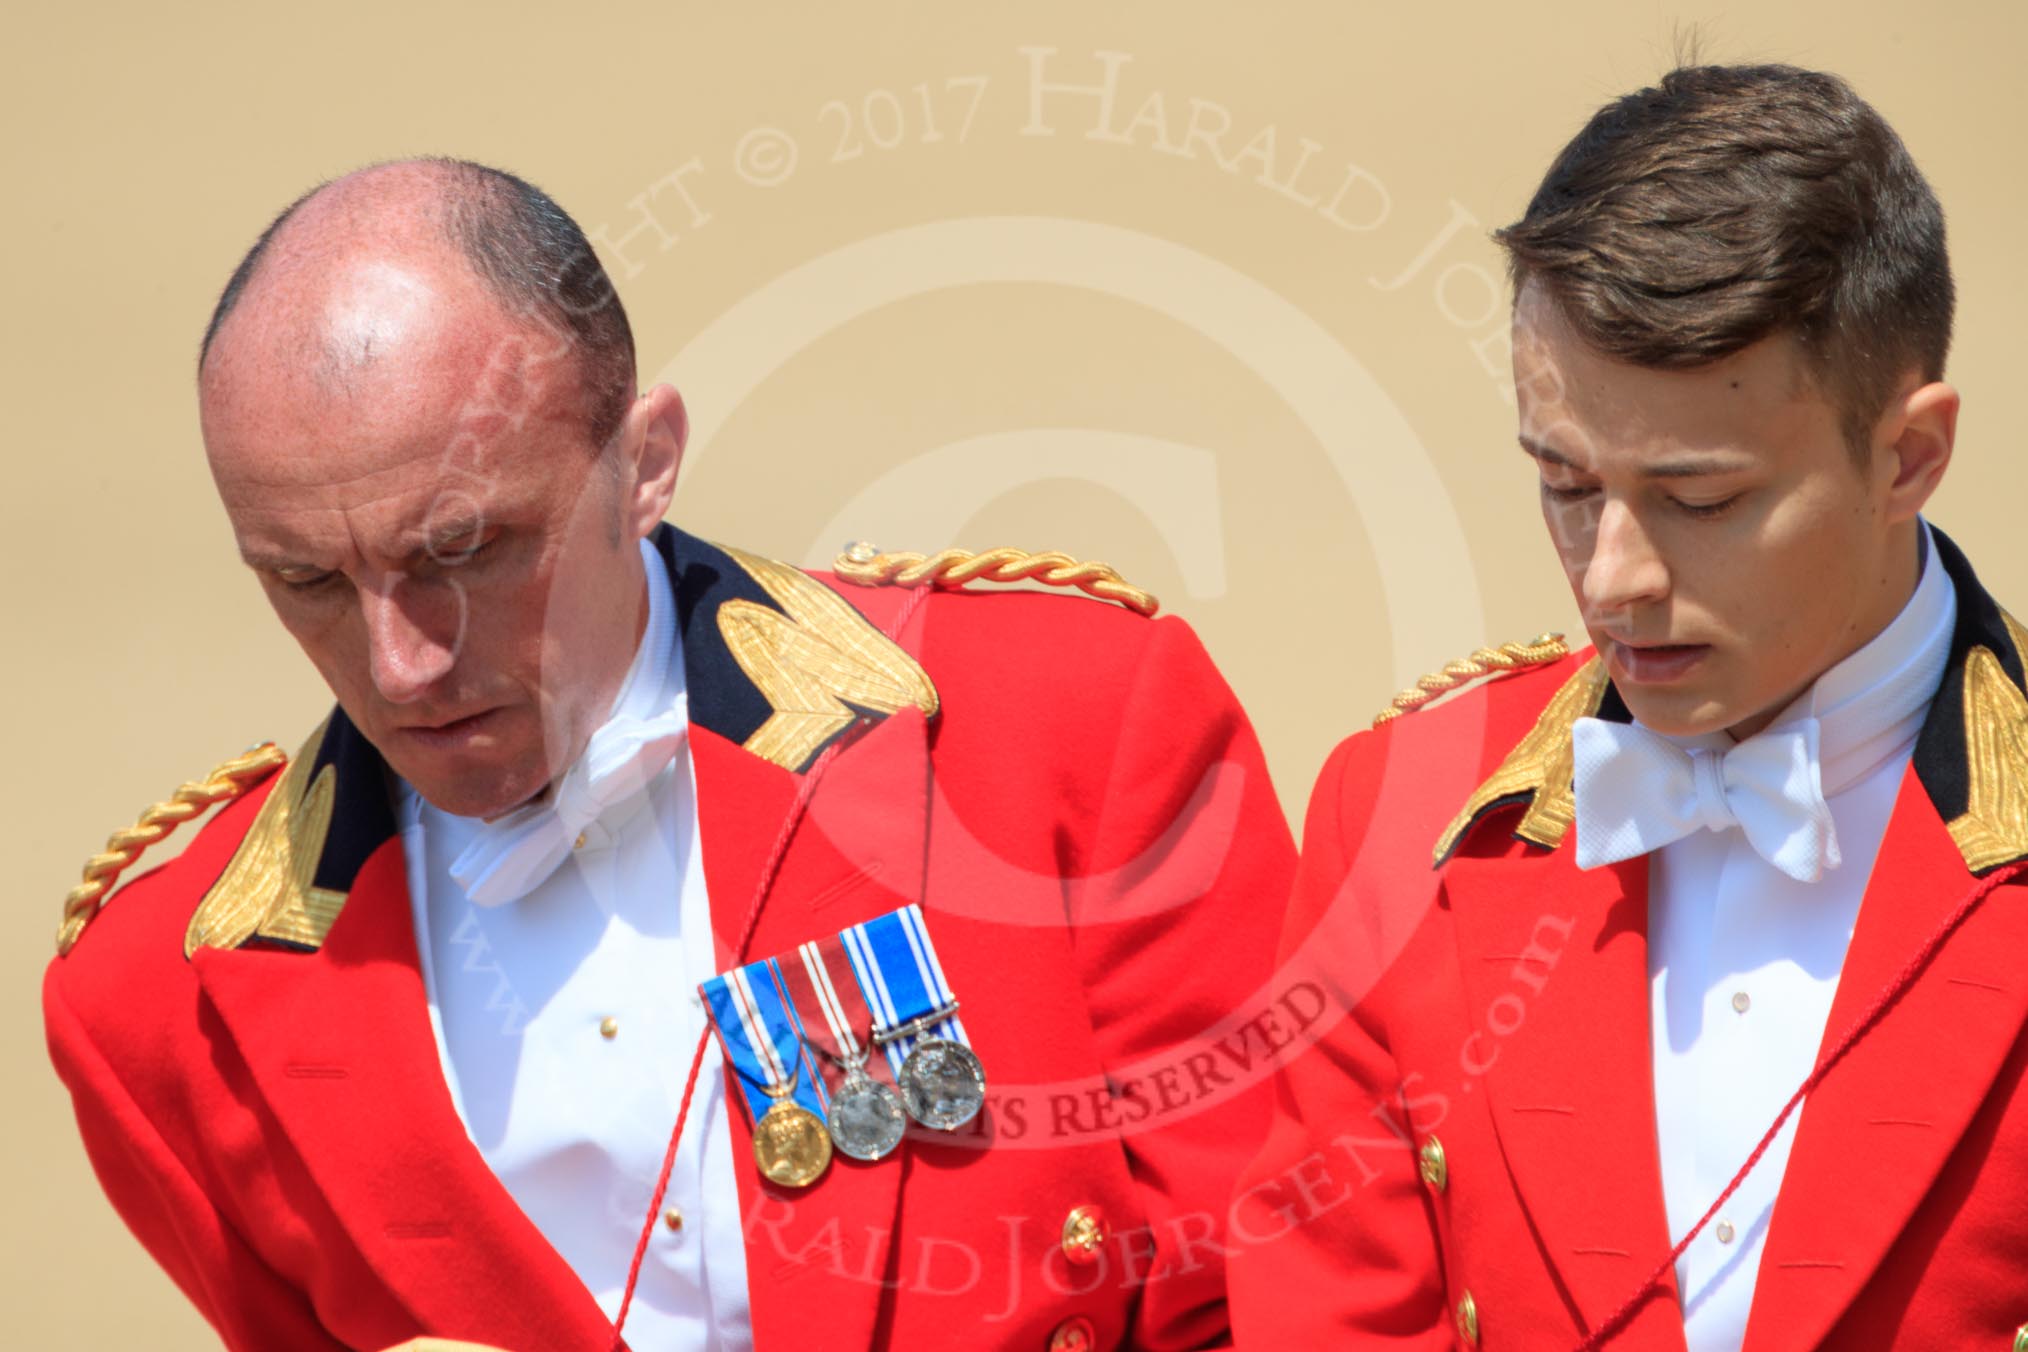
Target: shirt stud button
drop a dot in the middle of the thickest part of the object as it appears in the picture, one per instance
(1724, 1232)
(1741, 1002)
(609, 1028)
(580, 841)
(673, 1218)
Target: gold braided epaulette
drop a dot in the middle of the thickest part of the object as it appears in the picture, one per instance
(1504, 660)
(102, 870)
(867, 566)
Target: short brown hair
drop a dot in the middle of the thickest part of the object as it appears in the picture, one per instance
(1728, 204)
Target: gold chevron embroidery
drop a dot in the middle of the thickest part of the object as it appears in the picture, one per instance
(266, 889)
(1994, 828)
(817, 660)
(1540, 764)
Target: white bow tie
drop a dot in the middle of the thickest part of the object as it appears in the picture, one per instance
(1636, 791)
(511, 857)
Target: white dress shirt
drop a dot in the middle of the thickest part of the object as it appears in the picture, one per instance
(566, 1021)
(1743, 960)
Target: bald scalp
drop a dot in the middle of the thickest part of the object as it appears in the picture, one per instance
(308, 292)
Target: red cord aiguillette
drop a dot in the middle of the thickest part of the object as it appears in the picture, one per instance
(762, 884)
(1619, 1318)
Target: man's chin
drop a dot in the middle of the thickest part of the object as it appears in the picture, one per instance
(1682, 713)
(469, 787)
(476, 798)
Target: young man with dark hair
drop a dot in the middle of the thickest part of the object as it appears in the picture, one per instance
(1679, 984)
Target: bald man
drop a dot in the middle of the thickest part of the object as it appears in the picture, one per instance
(415, 1039)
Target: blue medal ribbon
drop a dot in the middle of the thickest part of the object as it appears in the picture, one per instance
(762, 1036)
(898, 971)
(761, 1032)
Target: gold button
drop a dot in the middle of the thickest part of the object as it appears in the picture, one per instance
(1436, 1170)
(609, 1028)
(579, 843)
(2021, 1339)
(1741, 1002)
(1084, 1234)
(1074, 1334)
(673, 1218)
(1725, 1232)
(1468, 1319)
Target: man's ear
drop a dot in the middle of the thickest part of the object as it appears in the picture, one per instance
(1912, 444)
(659, 426)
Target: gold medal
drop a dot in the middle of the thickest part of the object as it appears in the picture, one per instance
(790, 1145)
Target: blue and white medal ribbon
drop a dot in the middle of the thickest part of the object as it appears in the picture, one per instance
(915, 1016)
(904, 983)
(763, 1039)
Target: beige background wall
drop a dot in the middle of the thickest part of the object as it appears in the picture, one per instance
(906, 301)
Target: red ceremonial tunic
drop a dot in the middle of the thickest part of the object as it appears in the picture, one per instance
(1468, 1155)
(1085, 819)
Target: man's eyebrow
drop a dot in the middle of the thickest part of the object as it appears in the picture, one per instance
(268, 561)
(1541, 452)
(1683, 467)
(447, 538)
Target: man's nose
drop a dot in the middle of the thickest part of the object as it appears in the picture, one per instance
(412, 634)
(1625, 568)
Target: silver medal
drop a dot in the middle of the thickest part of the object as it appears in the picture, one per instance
(866, 1118)
(943, 1085)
